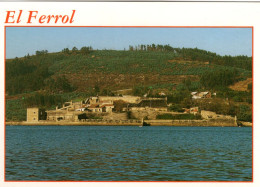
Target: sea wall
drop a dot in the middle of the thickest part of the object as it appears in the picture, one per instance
(87, 122)
(223, 123)
(206, 123)
(150, 113)
(246, 124)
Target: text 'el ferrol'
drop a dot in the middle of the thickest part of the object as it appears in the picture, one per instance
(36, 17)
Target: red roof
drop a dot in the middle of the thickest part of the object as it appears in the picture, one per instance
(94, 106)
(108, 105)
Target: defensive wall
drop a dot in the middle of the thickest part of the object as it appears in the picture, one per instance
(151, 113)
(206, 123)
(145, 112)
(212, 115)
(128, 99)
(87, 122)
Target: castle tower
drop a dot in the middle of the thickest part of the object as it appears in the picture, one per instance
(32, 114)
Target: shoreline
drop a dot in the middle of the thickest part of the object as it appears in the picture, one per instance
(188, 123)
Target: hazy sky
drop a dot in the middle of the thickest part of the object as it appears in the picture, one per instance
(224, 41)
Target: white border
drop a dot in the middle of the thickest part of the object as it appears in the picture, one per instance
(144, 14)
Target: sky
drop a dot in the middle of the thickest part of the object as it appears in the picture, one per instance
(224, 41)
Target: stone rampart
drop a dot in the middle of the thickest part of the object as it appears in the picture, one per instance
(150, 113)
(116, 116)
(144, 114)
(128, 99)
(212, 115)
(87, 122)
(207, 123)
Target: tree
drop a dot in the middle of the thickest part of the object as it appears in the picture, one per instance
(85, 50)
(131, 48)
(107, 92)
(119, 105)
(58, 84)
(245, 113)
(219, 78)
(66, 51)
(187, 83)
(97, 90)
(74, 50)
(42, 52)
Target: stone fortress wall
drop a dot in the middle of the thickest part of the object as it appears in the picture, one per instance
(125, 98)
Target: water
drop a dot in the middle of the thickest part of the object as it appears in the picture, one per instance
(126, 153)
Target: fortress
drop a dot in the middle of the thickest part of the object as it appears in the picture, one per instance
(138, 111)
(98, 106)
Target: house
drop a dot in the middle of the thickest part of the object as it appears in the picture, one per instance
(80, 109)
(70, 111)
(100, 108)
(205, 95)
(108, 107)
(94, 104)
(60, 115)
(201, 95)
(193, 110)
(95, 108)
(162, 94)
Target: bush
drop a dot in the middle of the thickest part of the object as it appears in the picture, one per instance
(176, 108)
(15, 110)
(119, 105)
(245, 113)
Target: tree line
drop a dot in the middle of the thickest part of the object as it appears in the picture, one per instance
(84, 50)
(195, 54)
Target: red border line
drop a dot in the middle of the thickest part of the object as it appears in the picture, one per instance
(138, 27)
(253, 122)
(135, 26)
(4, 102)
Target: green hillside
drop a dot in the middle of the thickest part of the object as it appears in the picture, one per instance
(71, 74)
(75, 70)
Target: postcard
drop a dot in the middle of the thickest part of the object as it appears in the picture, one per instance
(100, 93)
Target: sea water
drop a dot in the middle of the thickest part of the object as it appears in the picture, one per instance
(128, 153)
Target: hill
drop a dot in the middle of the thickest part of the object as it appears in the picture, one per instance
(106, 69)
(48, 79)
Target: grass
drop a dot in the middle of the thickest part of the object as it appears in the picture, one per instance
(15, 110)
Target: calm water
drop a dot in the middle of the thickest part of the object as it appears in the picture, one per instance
(101, 153)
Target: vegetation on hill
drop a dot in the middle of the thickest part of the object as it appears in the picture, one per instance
(48, 79)
(75, 69)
